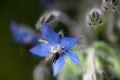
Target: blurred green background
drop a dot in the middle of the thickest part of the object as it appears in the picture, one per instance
(15, 63)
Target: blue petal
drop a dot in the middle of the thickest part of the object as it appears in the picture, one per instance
(18, 33)
(49, 34)
(72, 55)
(57, 67)
(27, 35)
(68, 42)
(24, 35)
(35, 39)
(14, 27)
(41, 50)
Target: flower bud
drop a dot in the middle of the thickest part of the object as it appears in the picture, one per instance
(94, 17)
(110, 4)
(49, 17)
(115, 4)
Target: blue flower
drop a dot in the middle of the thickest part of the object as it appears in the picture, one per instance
(23, 35)
(56, 46)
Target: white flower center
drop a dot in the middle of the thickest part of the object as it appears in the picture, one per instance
(57, 52)
(56, 49)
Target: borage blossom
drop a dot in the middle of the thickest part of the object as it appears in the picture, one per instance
(23, 34)
(56, 46)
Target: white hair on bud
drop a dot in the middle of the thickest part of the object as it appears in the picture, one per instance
(49, 16)
(94, 17)
(56, 13)
(110, 5)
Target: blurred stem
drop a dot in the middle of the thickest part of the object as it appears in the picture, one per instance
(92, 35)
(71, 24)
(110, 27)
(47, 63)
(92, 72)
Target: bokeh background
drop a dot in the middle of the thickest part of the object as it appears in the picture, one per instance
(16, 63)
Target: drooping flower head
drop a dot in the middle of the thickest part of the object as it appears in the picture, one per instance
(56, 46)
(23, 34)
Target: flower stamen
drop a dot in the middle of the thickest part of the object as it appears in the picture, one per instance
(57, 52)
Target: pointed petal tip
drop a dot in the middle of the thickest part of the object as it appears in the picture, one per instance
(31, 50)
(49, 34)
(77, 63)
(68, 42)
(73, 57)
(58, 66)
(41, 50)
(54, 74)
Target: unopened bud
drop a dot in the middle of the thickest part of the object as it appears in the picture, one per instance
(115, 4)
(110, 4)
(94, 17)
(49, 17)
